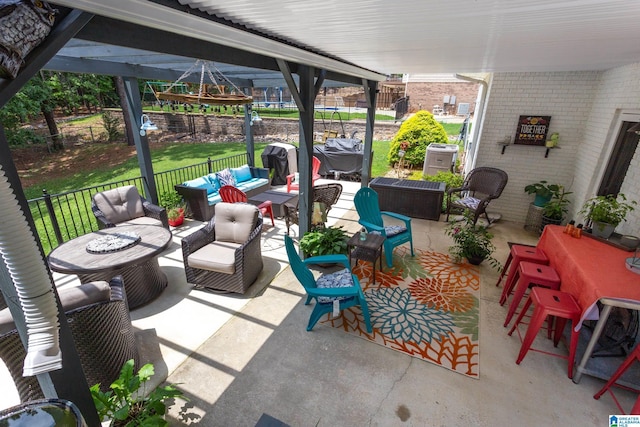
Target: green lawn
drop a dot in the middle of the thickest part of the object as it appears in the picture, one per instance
(170, 157)
(177, 155)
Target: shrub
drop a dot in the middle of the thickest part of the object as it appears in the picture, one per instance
(418, 132)
(112, 125)
(452, 180)
(22, 137)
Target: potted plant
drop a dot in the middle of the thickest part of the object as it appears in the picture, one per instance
(543, 192)
(324, 241)
(554, 210)
(174, 205)
(606, 212)
(175, 216)
(471, 241)
(127, 403)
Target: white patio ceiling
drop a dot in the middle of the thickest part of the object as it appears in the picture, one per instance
(412, 36)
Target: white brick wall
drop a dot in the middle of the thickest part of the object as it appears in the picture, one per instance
(584, 109)
(567, 98)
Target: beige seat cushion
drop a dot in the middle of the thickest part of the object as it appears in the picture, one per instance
(70, 297)
(120, 204)
(216, 256)
(234, 222)
(142, 220)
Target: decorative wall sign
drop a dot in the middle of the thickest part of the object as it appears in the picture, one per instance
(532, 130)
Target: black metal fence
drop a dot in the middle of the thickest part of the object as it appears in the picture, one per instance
(61, 217)
(401, 107)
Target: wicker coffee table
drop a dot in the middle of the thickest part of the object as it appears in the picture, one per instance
(136, 262)
(366, 250)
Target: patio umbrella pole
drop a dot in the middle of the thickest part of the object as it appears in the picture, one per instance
(29, 274)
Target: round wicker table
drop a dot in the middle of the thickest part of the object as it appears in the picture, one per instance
(137, 262)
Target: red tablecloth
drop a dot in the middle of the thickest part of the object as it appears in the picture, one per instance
(589, 269)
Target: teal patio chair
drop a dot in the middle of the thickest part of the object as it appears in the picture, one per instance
(366, 201)
(340, 288)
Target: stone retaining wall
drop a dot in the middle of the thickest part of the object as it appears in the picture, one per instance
(208, 127)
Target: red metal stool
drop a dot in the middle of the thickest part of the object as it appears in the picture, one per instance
(550, 302)
(635, 355)
(519, 253)
(528, 275)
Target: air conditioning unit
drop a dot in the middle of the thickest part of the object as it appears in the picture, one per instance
(463, 108)
(440, 157)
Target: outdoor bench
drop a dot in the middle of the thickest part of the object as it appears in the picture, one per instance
(201, 194)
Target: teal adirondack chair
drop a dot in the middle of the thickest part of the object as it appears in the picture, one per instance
(366, 201)
(342, 286)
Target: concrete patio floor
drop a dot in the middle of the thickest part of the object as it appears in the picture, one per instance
(238, 357)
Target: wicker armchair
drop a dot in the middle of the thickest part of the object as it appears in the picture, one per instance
(327, 194)
(480, 187)
(225, 254)
(98, 317)
(124, 205)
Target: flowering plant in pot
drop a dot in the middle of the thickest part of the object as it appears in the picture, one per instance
(606, 212)
(471, 241)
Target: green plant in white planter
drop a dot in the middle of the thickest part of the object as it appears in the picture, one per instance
(127, 403)
(606, 212)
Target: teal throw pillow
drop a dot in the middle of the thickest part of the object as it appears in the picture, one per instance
(213, 179)
(241, 174)
(201, 182)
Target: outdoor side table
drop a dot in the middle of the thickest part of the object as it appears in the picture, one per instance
(366, 250)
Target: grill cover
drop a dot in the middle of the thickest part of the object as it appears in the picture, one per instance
(342, 155)
(275, 158)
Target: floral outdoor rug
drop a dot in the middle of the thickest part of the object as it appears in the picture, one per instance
(425, 306)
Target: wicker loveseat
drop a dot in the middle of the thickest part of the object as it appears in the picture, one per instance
(201, 194)
(98, 317)
(226, 253)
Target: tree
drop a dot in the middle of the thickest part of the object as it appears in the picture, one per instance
(73, 92)
(122, 94)
(48, 91)
(27, 104)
